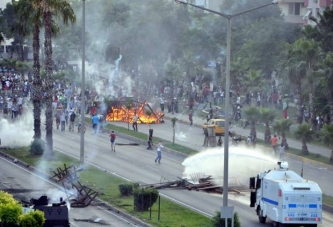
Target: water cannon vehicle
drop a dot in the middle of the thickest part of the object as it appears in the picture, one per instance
(286, 198)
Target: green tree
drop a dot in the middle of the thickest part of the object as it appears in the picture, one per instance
(32, 18)
(10, 210)
(267, 116)
(281, 127)
(305, 134)
(252, 114)
(295, 71)
(253, 82)
(32, 219)
(58, 8)
(326, 135)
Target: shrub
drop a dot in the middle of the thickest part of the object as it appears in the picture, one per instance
(144, 198)
(219, 222)
(37, 147)
(33, 219)
(127, 189)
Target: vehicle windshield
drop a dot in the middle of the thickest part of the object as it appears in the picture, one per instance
(220, 123)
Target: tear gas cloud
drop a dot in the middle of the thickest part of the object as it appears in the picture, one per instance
(243, 163)
(18, 132)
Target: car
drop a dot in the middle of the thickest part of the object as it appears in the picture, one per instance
(217, 124)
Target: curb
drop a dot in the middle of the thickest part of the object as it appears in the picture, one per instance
(97, 201)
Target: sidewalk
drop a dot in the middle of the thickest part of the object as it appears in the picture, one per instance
(198, 122)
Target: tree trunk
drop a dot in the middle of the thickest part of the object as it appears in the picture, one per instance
(36, 85)
(267, 133)
(331, 107)
(312, 112)
(304, 148)
(284, 140)
(48, 84)
(300, 112)
(331, 158)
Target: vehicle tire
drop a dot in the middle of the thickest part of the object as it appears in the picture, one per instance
(262, 219)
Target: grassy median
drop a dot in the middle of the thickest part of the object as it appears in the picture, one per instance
(171, 214)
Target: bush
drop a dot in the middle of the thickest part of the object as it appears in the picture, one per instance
(37, 147)
(33, 219)
(219, 222)
(127, 189)
(144, 198)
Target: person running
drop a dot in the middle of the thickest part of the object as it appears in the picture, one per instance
(95, 121)
(159, 152)
(135, 122)
(113, 141)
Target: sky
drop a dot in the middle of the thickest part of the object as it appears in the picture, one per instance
(3, 3)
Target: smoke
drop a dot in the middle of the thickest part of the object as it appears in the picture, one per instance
(17, 132)
(243, 163)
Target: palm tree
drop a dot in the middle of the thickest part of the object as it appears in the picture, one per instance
(252, 114)
(253, 81)
(48, 8)
(295, 73)
(281, 127)
(32, 17)
(305, 134)
(326, 135)
(311, 53)
(326, 81)
(267, 116)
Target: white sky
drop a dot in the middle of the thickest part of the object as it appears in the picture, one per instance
(3, 3)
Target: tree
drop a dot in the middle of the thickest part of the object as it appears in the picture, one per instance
(281, 127)
(326, 135)
(295, 74)
(253, 82)
(32, 219)
(32, 17)
(58, 8)
(252, 114)
(10, 210)
(267, 116)
(305, 134)
(310, 53)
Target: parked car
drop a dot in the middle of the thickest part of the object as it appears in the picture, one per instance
(217, 124)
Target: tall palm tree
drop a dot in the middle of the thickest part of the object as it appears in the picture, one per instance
(32, 17)
(252, 114)
(57, 8)
(267, 116)
(281, 127)
(253, 81)
(311, 53)
(326, 81)
(305, 134)
(326, 135)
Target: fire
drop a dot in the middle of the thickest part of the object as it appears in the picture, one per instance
(145, 113)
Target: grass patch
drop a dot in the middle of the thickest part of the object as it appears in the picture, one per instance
(108, 187)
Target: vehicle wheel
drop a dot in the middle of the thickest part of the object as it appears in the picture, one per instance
(262, 219)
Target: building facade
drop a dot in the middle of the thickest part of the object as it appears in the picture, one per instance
(299, 11)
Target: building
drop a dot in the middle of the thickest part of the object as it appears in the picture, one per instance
(299, 11)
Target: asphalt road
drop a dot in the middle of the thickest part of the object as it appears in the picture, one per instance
(136, 163)
(193, 137)
(15, 177)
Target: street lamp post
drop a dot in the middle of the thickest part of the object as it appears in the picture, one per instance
(227, 212)
(83, 83)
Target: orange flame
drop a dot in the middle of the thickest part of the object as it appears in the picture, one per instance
(126, 115)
